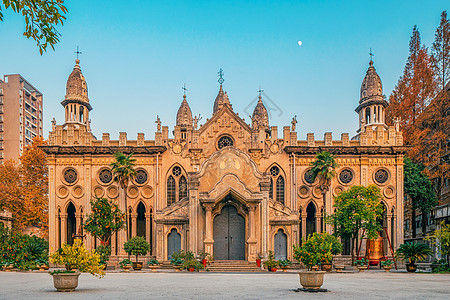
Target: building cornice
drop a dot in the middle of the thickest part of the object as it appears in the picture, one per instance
(81, 150)
(352, 150)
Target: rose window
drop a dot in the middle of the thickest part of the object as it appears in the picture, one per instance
(176, 171)
(309, 177)
(141, 177)
(224, 141)
(274, 171)
(381, 176)
(105, 176)
(346, 176)
(70, 176)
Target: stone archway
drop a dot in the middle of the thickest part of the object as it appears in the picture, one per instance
(229, 234)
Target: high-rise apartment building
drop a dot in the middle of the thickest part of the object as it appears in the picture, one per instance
(21, 106)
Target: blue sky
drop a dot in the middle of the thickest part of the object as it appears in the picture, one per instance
(138, 54)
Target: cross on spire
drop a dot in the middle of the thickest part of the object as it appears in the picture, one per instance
(221, 80)
(184, 89)
(78, 52)
(371, 54)
(260, 92)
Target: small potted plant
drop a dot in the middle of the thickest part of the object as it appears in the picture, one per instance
(191, 264)
(336, 248)
(284, 264)
(258, 260)
(177, 260)
(412, 252)
(137, 245)
(7, 266)
(361, 264)
(74, 257)
(126, 265)
(153, 264)
(271, 264)
(387, 265)
(42, 264)
(313, 251)
(202, 255)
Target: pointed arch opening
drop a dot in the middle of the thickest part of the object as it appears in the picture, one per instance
(171, 190)
(173, 242)
(71, 223)
(183, 187)
(280, 189)
(140, 221)
(310, 219)
(280, 245)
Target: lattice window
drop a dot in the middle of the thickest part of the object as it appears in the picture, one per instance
(271, 189)
(225, 141)
(346, 176)
(171, 191)
(280, 189)
(176, 171)
(308, 177)
(183, 188)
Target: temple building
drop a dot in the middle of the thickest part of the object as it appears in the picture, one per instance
(226, 187)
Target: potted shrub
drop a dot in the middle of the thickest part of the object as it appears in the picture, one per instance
(7, 266)
(258, 260)
(336, 248)
(137, 245)
(126, 265)
(284, 264)
(74, 257)
(202, 255)
(42, 264)
(177, 260)
(153, 264)
(191, 264)
(387, 265)
(271, 264)
(313, 251)
(412, 252)
(361, 264)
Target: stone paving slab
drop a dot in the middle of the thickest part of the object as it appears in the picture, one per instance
(168, 285)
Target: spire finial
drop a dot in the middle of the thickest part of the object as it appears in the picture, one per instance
(371, 55)
(221, 80)
(184, 90)
(260, 92)
(78, 53)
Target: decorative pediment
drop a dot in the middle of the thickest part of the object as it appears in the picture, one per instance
(225, 118)
(177, 211)
(277, 211)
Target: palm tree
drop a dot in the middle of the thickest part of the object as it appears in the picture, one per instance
(412, 251)
(324, 168)
(123, 171)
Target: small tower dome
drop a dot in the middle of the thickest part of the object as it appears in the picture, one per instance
(260, 116)
(371, 86)
(184, 115)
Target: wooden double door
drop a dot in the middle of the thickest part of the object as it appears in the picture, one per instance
(229, 235)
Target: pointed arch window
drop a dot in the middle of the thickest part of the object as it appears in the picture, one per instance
(280, 189)
(183, 190)
(171, 190)
(271, 189)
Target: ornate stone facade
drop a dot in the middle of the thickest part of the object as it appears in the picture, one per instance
(228, 188)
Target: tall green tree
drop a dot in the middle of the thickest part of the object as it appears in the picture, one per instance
(41, 19)
(123, 172)
(440, 51)
(420, 191)
(357, 208)
(324, 168)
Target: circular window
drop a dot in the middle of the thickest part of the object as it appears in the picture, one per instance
(105, 176)
(70, 176)
(141, 177)
(381, 176)
(274, 171)
(176, 171)
(346, 176)
(309, 177)
(225, 141)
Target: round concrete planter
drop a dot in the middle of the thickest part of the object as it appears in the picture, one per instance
(387, 268)
(66, 282)
(137, 266)
(126, 268)
(311, 280)
(326, 267)
(361, 268)
(154, 268)
(177, 268)
(339, 268)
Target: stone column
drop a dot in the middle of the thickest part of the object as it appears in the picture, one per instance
(78, 222)
(87, 195)
(318, 217)
(193, 211)
(398, 217)
(148, 234)
(52, 212)
(389, 231)
(113, 244)
(264, 213)
(304, 215)
(63, 228)
(209, 240)
(122, 234)
(133, 224)
(251, 241)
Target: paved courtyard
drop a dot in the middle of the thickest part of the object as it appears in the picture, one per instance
(368, 285)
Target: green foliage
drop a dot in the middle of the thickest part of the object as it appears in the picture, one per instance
(104, 252)
(361, 262)
(137, 245)
(123, 168)
(315, 250)
(125, 262)
(324, 167)
(59, 271)
(336, 245)
(180, 256)
(41, 18)
(442, 267)
(284, 263)
(386, 263)
(153, 262)
(203, 255)
(270, 262)
(411, 251)
(76, 256)
(441, 238)
(357, 208)
(21, 250)
(191, 262)
(105, 220)
(418, 187)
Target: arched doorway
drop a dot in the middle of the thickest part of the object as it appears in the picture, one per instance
(140, 221)
(71, 223)
(280, 245)
(173, 243)
(310, 219)
(229, 235)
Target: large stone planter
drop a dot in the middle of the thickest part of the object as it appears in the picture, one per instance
(326, 267)
(66, 282)
(311, 280)
(154, 268)
(137, 266)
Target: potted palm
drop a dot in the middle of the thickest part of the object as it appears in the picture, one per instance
(387, 265)
(271, 264)
(76, 259)
(361, 264)
(126, 265)
(284, 264)
(137, 245)
(153, 264)
(412, 252)
(313, 251)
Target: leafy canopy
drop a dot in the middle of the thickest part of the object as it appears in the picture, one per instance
(315, 250)
(123, 168)
(324, 167)
(418, 187)
(137, 245)
(41, 19)
(412, 251)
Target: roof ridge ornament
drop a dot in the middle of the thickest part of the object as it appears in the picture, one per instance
(220, 80)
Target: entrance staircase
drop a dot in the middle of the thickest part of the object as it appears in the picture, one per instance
(233, 266)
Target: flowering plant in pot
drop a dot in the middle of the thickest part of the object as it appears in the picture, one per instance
(361, 264)
(271, 264)
(137, 245)
(202, 255)
(177, 259)
(76, 258)
(313, 251)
